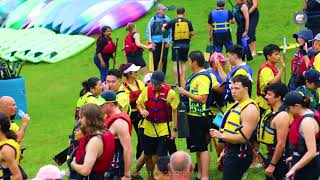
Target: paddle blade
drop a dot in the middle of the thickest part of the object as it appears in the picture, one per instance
(61, 157)
(183, 124)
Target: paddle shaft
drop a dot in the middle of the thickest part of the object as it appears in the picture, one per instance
(115, 53)
(160, 65)
(151, 63)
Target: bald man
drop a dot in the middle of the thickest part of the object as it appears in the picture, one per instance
(8, 106)
(180, 165)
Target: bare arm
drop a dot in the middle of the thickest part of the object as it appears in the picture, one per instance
(210, 32)
(8, 155)
(245, 12)
(136, 37)
(22, 129)
(254, 6)
(218, 89)
(277, 78)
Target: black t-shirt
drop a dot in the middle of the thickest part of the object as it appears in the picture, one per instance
(313, 13)
(171, 25)
(210, 19)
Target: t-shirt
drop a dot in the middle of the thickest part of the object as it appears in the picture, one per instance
(134, 87)
(161, 128)
(316, 65)
(214, 82)
(266, 75)
(123, 100)
(171, 25)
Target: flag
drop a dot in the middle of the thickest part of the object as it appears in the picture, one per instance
(284, 45)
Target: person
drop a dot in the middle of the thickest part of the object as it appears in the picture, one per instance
(241, 15)
(235, 54)
(243, 115)
(133, 48)
(219, 27)
(180, 165)
(96, 148)
(113, 82)
(304, 137)
(161, 168)
(309, 82)
(268, 73)
(133, 87)
(161, 40)
(119, 124)
(312, 9)
(104, 51)
(316, 46)
(254, 19)
(49, 172)
(9, 151)
(9, 107)
(273, 131)
(302, 59)
(158, 105)
(196, 95)
(182, 31)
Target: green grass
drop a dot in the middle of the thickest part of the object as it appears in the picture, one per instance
(53, 89)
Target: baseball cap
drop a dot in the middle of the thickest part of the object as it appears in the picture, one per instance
(161, 6)
(108, 96)
(312, 76)
(130, 68)
(305, 34)
(317, 37)
(157, 77)
(220, 57)
(292, 98)
(147, 78)
(48, 172)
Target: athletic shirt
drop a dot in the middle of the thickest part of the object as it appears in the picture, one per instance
(238, 15)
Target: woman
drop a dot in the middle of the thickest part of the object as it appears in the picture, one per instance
(133, 87)
(254, 19)
(9, 151)
(104, 51)
(134, 48)
(95, 152)
(304, 138)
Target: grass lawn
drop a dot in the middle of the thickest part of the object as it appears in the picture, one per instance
(53, 89)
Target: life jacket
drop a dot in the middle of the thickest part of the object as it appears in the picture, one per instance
(85, 99)
(159, 110)
(109, 120)
(296, 139)
(130, 46)
(109, 47)
(274, 69)
(227, 90)
(5, 172)
(103, 162)
(312, 59)
(231, 120)
(181, 30)
(314, 96)
(185, 99)
(134, 95)
(266, 134)
(220, 22)
(217, 98)
(298, 65)
(157, 26)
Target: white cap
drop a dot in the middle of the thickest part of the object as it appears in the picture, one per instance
(132, 68)
(49, 172)
(147, 78)
(317, 37)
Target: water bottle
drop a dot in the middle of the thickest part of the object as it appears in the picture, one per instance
(244, 41)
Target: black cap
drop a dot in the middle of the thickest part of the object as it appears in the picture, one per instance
(292, 98)
(157, 77)
(312, 76)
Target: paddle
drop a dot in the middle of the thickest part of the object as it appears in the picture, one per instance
(172, 7)
(115, 53)
(160, 65)
(151, 63)
(284, 57)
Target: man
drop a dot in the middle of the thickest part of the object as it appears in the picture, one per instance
(8, 106)
(182, 31)
(161, 40)
(268, 73)
(273, 131)
(243, 113)
(219, 27)
(196, 94)
(158, 105)
(180, 165)
(235, 54)
(120, 126)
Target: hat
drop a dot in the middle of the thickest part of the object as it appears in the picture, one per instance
(157, 77)
(108, 96)
(49, 172)
(161, 6)
(305, 34)
(131, 68)
(292, 98)
(220, 3)
(317, 37)
(312, 76)
(147, 78)
(220, 57)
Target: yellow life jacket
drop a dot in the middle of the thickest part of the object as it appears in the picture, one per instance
(86, 99)
(16, 147)
(232, 117)
(266, 134)
(181, 31)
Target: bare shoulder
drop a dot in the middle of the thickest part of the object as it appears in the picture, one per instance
(7, 152)
(250, 110)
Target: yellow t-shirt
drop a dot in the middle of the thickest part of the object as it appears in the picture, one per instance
(215, 82)
(266, 75)
(316, 65)
(199, 85)
(124, 101)
(161, 128)
(134, 87)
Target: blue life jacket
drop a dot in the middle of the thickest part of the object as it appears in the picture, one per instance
(217, 99)
(227, 90)
(220, 21)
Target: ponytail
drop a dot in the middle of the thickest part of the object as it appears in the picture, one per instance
(5, 127)
(88, 84)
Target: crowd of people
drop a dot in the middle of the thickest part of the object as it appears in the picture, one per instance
(213, 105)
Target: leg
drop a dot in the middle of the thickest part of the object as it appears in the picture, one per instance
(149, 146)
(156, 56)
(143, 71)
(139, 165)
(175, 71)
(205, 163)
(183, 73)
(234, 167)
(199, 175)
(149, 166)
(164, 59)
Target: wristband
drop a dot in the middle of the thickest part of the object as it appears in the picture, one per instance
(272, 164)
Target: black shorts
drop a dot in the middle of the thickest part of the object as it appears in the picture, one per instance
(136, 59)
(199, 134)
(154, 145)
(254, 19)
(182, 52)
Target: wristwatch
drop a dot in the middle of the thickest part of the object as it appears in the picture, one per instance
(175, 129)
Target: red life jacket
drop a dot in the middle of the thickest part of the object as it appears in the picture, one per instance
(109, 48)
(274, 69)
(130, 44)
(134, 95)
(298, 64)
(159, 110)
(103, 163)
(296, 140)
(109, 120)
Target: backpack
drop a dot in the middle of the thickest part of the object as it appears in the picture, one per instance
(181, 30)
(130, 45)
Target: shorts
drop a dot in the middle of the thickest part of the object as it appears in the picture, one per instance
(154, 145)
(182, 54)
(220, 40)
(199, 134)
(254, 19)
(136, 59)
(235, 167)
